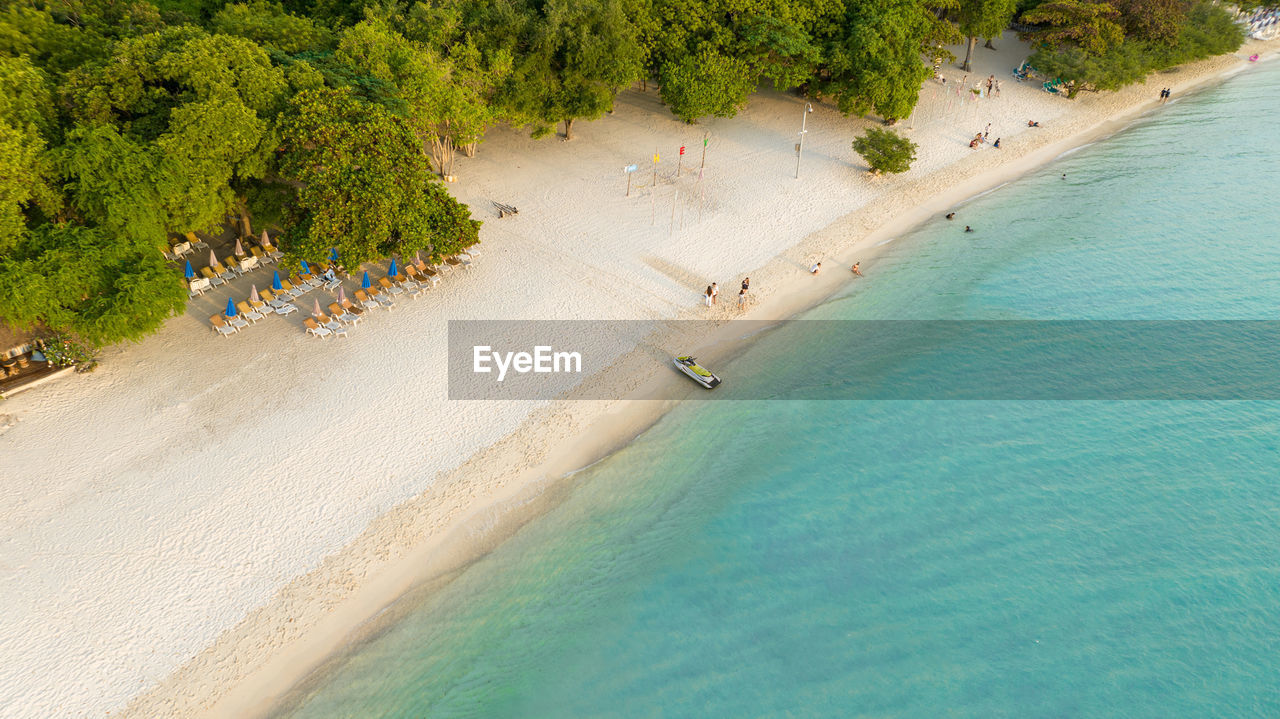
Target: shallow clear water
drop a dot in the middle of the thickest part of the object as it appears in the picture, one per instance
(918, 559)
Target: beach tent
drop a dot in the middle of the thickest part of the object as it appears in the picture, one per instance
(189, 272)
(231, 307)
(275, 281)
(364, 281)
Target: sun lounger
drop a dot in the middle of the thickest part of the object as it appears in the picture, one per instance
(351, 307)
(195, 240)
(221, 327)
(261, 307)
(332, 325)
(237, 321)
(426, 274)
(454, 262)
(262, 256)
(198, 286)
(315, 329)
(288, 290)
(366, 301)
(386, 284)
(233, 265)
(248, 312)
(384, 300)
(342, 315)
(208, 274)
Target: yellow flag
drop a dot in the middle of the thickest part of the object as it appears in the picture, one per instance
(655, 158)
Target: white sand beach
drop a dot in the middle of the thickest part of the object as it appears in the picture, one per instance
(191, 528)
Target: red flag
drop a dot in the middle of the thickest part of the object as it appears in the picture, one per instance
(682, 149)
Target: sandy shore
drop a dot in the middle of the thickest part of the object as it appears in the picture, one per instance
(197, 525)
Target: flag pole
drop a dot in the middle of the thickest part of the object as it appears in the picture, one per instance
(653, 194)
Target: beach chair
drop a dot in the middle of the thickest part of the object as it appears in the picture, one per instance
(474, 250)
(272, 252)
(351, 307)
(454, 262)
(342, 315)
(384, 300)
(196, 240)
(278, 305)
(198, 286)
(411, 284)
(238, 322)
(386, 284)
(221, 271)
(221, 327)
(426, 274)
(332, 325)
(234, 265)
(315, 329)
(214, 279)
(300, 285)
(262, 256)
(261, 307)
(248, 312)
(366, 301)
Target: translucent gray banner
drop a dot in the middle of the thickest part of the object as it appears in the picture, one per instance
(876, 359)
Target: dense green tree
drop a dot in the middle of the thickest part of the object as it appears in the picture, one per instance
(364, 185)
(707, 84)
(1090, 26)
(982, 18)
(875, 63)
(269, 25)
(87, 281)
(27, 119)
(885, 151)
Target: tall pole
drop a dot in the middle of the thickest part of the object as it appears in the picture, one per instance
(808, 108)
(653, 194)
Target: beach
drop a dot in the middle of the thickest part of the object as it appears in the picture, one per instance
(201, 521)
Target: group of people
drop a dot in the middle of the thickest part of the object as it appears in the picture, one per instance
(816, 267)
(1164, 95)
(981, 139)
(711, 296)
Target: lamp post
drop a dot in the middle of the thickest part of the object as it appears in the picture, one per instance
(808, 108)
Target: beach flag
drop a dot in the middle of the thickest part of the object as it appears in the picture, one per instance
(231, 307)
(275, 281)
(655, 158)
(364, 282)
(704, 142)
(393, 270)
(189, 272)
(631, 168)
(682, 149)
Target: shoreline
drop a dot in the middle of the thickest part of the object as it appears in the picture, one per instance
(354, 606)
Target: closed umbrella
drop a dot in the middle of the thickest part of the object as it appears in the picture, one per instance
(364, 282)
(231, 307)
(253, 294)
(305, 270)
(333, 254)
(342, 296)
(213, 259)
(317, 312)
(239, 249)
(394, 270)
(275, 281)
(266, 241)
(189, 272)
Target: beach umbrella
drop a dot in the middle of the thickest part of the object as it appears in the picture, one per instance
(189, 272)
(213, 259)
(305, 270)
(239, 248)
(364, 282)
(317, 312)
(333, 254)
(231, 307)
(253, 294)
(393, 271)
(275, 281)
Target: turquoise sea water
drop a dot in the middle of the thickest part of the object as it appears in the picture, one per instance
(920, 558)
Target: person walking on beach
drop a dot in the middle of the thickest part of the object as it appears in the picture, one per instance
(814, 270)
(742, 297)
(997, 145)
(706, 297)
(746, 284)
(855, 269)
(715, 291)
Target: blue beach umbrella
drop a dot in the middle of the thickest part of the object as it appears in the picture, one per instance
(305, 270)
(189, 272)
(333, 254)
(275, 281)
(364, 281)
(393, 271)
(231, 307)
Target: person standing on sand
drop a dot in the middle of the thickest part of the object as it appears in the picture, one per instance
(706, 297)
(715, 291)
(746, 284)
(814, 270)
(742, 296)
(855, 269)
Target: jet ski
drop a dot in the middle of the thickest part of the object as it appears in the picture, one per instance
(697, 372)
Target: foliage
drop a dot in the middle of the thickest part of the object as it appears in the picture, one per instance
(707, 84)
(885, 151)
(62, 350)
(365, 186)
(267, 24)
(86, 281)
(1090, 26)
